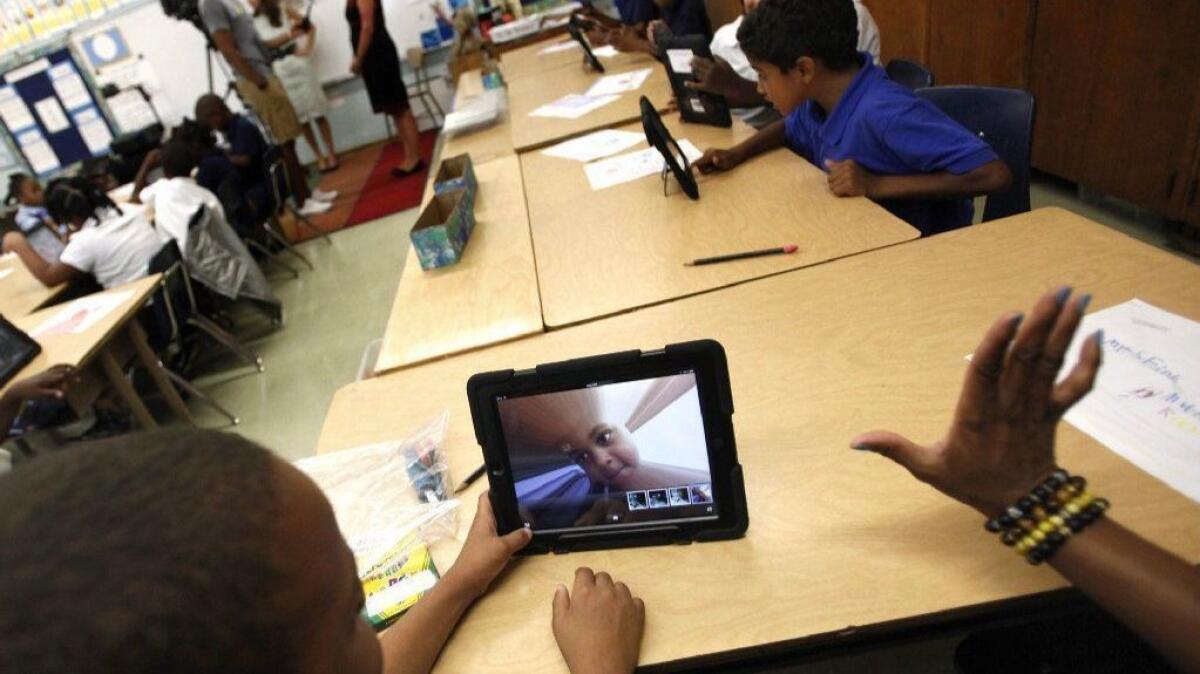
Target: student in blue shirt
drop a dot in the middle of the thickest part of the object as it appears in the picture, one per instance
(873, 136)
(674, 17)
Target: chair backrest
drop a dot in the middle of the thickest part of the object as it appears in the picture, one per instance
(170, 301)
(415, 58)
(277, 176)
(1004, 119)
(909, 73)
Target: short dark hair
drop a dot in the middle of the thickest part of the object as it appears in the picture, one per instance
(145, 553)
(177, 159)
(15, 182)
(781, 32)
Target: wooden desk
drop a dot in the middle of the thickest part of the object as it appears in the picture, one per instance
(837, 538)
(20, 292)
(482, 144)
(527, 94)
(623, 247)
(101, 352)
(490, 296)
(531, 62)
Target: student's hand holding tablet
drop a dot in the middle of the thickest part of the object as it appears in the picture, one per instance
(598, 625)
(1001, 442)
(713, 75)
(485, 553)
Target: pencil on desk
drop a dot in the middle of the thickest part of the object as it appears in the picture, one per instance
(785, 250)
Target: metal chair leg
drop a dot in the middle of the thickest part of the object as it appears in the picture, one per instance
(251, 243)
(222, 336)
(192, 390)
(287, 245)
(309, 224)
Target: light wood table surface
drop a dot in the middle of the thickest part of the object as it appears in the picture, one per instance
(531, 62)
(839, 541)
(20, 292)
(101, 352)
(489, 142)
(600, 252)
(490, 296)
(527, 94)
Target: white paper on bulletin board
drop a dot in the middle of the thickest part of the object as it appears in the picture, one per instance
(52, 115)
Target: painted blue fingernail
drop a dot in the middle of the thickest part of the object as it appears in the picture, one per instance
(1084, 302)
(1099, 337)
(861, 446)
(1063, 294)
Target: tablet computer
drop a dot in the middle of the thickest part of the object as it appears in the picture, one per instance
(624, 449)
(697, 107)
(17, 349)
(576, 25)
(675, 159)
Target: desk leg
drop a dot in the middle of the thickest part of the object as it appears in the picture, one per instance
(116, 377)
(154, 366)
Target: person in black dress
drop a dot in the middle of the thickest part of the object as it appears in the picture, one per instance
(376, 60)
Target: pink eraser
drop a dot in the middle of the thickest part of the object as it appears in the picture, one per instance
(789, 249)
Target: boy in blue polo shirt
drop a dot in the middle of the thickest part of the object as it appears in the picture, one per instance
(873, 136)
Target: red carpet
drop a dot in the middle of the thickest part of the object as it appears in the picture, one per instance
(382, 194)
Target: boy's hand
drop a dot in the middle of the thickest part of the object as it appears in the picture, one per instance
(718, 160)
(1001, 441)
(848, 179)
(485, 554)
(598, 626)
(51, 383)
(712, 75)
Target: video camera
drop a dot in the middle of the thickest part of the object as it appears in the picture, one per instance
(185, 10)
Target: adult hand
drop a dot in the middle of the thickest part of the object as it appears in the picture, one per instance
(715, 76)
(1001, 441)
(356, 66)
(598, 626)
(485, 553)
(51, 383)
(714, 160)
(848, 179)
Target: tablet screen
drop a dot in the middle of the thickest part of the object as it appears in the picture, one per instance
(609, 454)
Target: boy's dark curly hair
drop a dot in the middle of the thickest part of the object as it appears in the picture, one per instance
(781, 32)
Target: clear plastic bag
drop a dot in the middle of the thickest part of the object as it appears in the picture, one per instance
(389, 493)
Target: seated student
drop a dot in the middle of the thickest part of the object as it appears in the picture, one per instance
(176, 196)
(999, 453)
(213, 167)
(195, 552)
(113, 247)
(675, 17)
(631, 14)
(34, 221)
(246, 149)
(874, 137)
(729, 73)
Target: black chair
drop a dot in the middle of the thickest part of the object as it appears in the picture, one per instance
(1004, 119)
(909, 73)
(281, 191)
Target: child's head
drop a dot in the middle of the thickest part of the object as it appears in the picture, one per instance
(793, 44)
(212, 113)
(176, 551)
(25, 190)
(177, 160)
(73, 200)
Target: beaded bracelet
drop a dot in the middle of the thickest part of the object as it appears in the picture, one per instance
(1038, 524)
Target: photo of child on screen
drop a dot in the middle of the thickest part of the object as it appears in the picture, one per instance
(575, 454)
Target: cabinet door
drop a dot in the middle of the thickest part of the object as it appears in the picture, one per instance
(984, 42)
(1066, 39)
(1147, 76)
(903, 29)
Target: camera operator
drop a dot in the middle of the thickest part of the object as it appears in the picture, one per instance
(232, 31)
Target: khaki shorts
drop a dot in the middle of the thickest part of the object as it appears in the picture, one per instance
(273, 107)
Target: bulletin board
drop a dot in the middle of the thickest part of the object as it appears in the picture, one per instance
(51, 115)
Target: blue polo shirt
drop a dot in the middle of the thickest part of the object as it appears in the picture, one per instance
(633, 12)
(889, 131)
(686, 17)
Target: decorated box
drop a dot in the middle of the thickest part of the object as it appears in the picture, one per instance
(456, 173)
(441, 232)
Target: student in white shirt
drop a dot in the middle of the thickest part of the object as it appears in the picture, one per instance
(729, 73)
(113, 247)
(34, 221)
(176, 197)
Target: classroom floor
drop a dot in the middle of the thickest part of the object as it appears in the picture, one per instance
(332, 313)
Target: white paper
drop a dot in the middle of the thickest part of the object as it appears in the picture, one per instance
(631, 166)
(69, 86)
(13, 110)
(556, 48)
(5, 272)
(1145, 405)
(595, 145)
(130, 111)
(606, 52)
(573, 106)
(481, 111)
(620, 83)
(52, 115)
(37, 151)
(83, 313)
(94, 131)
(681, 61)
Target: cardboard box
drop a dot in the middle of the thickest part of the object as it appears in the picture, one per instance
(456, 173)
(441, 232)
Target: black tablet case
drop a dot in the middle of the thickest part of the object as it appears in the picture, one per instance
(661, 139)
(576, 26)
(17, 349)
(697, 107)
(737, 518)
